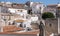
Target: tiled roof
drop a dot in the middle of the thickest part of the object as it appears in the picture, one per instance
(52, 5)
(0, 4)
(19, 20)
(18, 6)
(11, 28)
(30, 32)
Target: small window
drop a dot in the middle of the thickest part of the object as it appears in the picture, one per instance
(50, 25)
(21, 10)
(40, 8)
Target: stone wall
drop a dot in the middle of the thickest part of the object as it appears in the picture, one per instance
(58, 25)
(51, 26)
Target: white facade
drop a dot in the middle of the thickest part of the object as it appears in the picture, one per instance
(37, 7)
(34, 18)
(21, 12)
(3, 10)
(58, 5)
(27, 23)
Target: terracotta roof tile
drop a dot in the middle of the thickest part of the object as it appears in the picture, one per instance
(52, 5)
(30, 32)
(11, 28)
(18, 6)
(21, 6)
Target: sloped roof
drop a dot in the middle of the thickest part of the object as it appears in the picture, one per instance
(52, 5)
(18, 6)
(11, 28)
(13, 5)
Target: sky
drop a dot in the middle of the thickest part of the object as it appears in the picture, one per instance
(43, 1)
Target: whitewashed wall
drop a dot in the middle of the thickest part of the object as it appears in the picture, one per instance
(18, 11)
(36, 7)
(14, 10)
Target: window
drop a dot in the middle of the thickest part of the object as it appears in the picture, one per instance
(29, 11)
(21, 10)
(21, 25)
(40, 8)
(50, 25)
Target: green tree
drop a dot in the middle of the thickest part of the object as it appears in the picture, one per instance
(47, 15)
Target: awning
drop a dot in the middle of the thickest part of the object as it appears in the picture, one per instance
(19, 20)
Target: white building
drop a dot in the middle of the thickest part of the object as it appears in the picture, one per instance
(21, 12)
(37, 7)
(17, 13)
